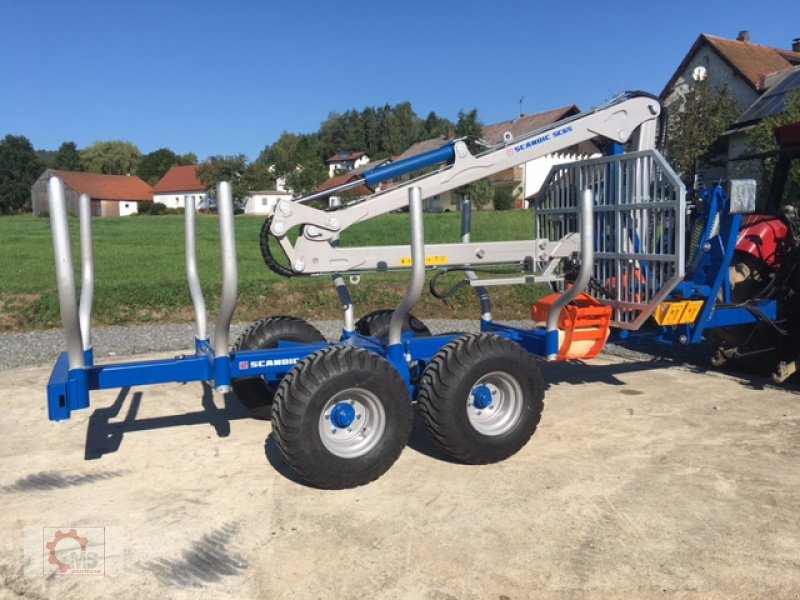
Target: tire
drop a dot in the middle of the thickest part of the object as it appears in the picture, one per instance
(254, 392)
(376, 324)
(351, 385)
(481, 398)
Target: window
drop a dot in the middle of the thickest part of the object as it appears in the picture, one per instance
(263, 201)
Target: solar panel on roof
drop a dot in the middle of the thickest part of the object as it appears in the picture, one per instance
(773, 101)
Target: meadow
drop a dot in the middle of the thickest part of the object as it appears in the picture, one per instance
(140, 276)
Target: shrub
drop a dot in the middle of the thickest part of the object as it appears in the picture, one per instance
(157, 208)
(503, 200)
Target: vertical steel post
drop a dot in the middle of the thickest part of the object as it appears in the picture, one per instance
(230, 284)
(586, 211)
(65, 274)
(87, 271)
(466, 236)
(193, 277)
(417, 266)
(341, 287)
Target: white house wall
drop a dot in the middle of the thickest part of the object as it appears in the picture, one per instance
(127, 208)
(719, 73)
(263, 204)
(177, 200)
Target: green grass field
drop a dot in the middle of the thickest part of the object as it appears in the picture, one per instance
(140, 277)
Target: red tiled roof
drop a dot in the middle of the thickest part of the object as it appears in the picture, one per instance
(351, 175)
(527, 123)
(360, 190)
(752, 61)
(179, 179)
(107, 187)
(422, 147)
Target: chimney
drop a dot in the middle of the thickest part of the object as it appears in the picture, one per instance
(744, 36)
(796, 44)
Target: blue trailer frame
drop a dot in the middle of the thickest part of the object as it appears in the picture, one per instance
(75, 373)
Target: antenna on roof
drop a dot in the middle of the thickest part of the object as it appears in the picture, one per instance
(520, 106)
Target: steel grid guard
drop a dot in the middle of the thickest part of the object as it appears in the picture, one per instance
(639, 222)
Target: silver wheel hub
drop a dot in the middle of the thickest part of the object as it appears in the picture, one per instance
(352, 423)
(494, 404)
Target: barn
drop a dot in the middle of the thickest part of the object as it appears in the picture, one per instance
(112, 195)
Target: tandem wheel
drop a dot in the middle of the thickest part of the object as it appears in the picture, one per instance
(481, 398)
(255, 392)
(341, 417)
(376, 324)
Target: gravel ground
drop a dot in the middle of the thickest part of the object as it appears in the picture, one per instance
(43, 347)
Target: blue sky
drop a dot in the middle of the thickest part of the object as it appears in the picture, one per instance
(229, 77)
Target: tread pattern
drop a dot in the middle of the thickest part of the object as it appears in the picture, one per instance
(376, 324)
(254, 392)
(301, 397)
(445, 385)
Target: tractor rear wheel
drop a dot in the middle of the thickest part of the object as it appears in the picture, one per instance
(255, 392)
(481, 398)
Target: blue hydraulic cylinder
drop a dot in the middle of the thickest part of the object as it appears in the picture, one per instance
(445, 154)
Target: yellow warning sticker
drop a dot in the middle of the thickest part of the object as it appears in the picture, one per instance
(429, 260)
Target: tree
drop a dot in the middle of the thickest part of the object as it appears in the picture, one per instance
(19, 169)
(225, 168)
(111, 158)
(696, 126)
(762, 139)
(155, 165)
(481, 192)
(469, 126)
(307, 177)
(47, 158)
(67, 157)
(289, 151)
(403, 128)
(259, 176)
(436, 126)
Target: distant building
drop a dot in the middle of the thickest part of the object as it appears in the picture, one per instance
(179, 186)
(358, 191)
(263, 202)
(524, 181)
(346, 161)
(759, 77)
(739, 64)
(446, 201)
(112, 195)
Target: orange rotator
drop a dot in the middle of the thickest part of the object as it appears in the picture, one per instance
(583, 325)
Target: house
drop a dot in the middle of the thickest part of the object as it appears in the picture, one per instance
(263, 202)
(447, 201)
(524, 181)
(181, 185)
(112, 195)
(771, 102)
(757, 76)
(346, 161)
(356, 192)
(739, 64)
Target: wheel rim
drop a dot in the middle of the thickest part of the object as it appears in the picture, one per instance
(352, 423)
(494, 404)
